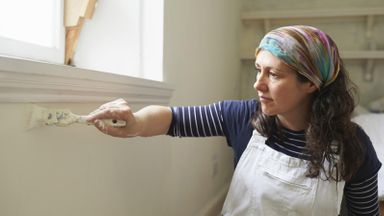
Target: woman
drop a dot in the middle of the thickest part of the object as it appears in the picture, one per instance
(296, 150)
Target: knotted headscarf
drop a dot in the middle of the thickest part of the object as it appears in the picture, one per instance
(306, 49)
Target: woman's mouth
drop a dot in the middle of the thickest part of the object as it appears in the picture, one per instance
(265, 99)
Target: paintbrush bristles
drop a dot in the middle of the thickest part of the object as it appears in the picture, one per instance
(60, 117)
(41, 116)
(36, 117)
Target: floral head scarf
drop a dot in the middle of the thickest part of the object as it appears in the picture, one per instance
(306, 49)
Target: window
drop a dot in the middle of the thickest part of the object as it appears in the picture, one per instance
(32, 29)
(124, 37)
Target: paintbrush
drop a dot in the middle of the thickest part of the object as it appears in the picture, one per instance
(41, 116)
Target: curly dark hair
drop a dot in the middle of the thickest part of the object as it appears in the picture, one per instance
(331, 135)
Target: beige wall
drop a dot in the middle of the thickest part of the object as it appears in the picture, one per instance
(202, 61)
(78, 171)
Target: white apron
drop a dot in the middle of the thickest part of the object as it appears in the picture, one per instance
(268, 183)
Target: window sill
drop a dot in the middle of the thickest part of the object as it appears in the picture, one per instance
(30, 81)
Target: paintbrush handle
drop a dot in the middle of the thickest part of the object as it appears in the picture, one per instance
(112, 122)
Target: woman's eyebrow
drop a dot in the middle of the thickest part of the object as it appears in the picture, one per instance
(277, 69)
(270, 67)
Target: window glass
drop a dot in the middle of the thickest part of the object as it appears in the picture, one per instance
(32, 29)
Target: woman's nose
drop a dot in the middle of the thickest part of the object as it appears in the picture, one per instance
(260, 84)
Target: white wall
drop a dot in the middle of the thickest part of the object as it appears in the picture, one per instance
(78, 171)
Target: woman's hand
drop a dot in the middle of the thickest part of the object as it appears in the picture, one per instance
(149, 121)
(117, 110)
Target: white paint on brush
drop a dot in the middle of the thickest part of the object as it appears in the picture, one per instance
(64, 117)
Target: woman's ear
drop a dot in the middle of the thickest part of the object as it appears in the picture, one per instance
(311, 87)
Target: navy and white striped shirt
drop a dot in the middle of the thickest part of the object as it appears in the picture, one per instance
(232, 119)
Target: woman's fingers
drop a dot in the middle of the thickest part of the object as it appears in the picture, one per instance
(121, 112)
(115, 110)
(116, 103)
(110, 113)
(110, 130)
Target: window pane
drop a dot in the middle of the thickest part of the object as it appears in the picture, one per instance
(152, 39)
(28, 21)
(32, 29)
(124, 37)
(110, 41)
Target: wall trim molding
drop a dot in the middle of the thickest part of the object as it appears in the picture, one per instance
(24, 80)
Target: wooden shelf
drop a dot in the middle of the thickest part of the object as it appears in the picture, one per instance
(286, 14)
(363, 54)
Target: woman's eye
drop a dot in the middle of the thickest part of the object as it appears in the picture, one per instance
(273, 75)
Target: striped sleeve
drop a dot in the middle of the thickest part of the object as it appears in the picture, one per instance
(197, 121)
(362, 197)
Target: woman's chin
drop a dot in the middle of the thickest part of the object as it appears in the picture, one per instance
(267, 112)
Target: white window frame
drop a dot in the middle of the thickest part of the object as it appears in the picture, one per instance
(31, 81)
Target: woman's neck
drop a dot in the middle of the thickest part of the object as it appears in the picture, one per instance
(293, 125)
(296, 122)
(298, 118)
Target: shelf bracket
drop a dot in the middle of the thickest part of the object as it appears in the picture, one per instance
(371, 45)
(368, 73)
(369, 32)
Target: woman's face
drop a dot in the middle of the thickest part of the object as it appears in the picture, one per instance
(279, 90)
